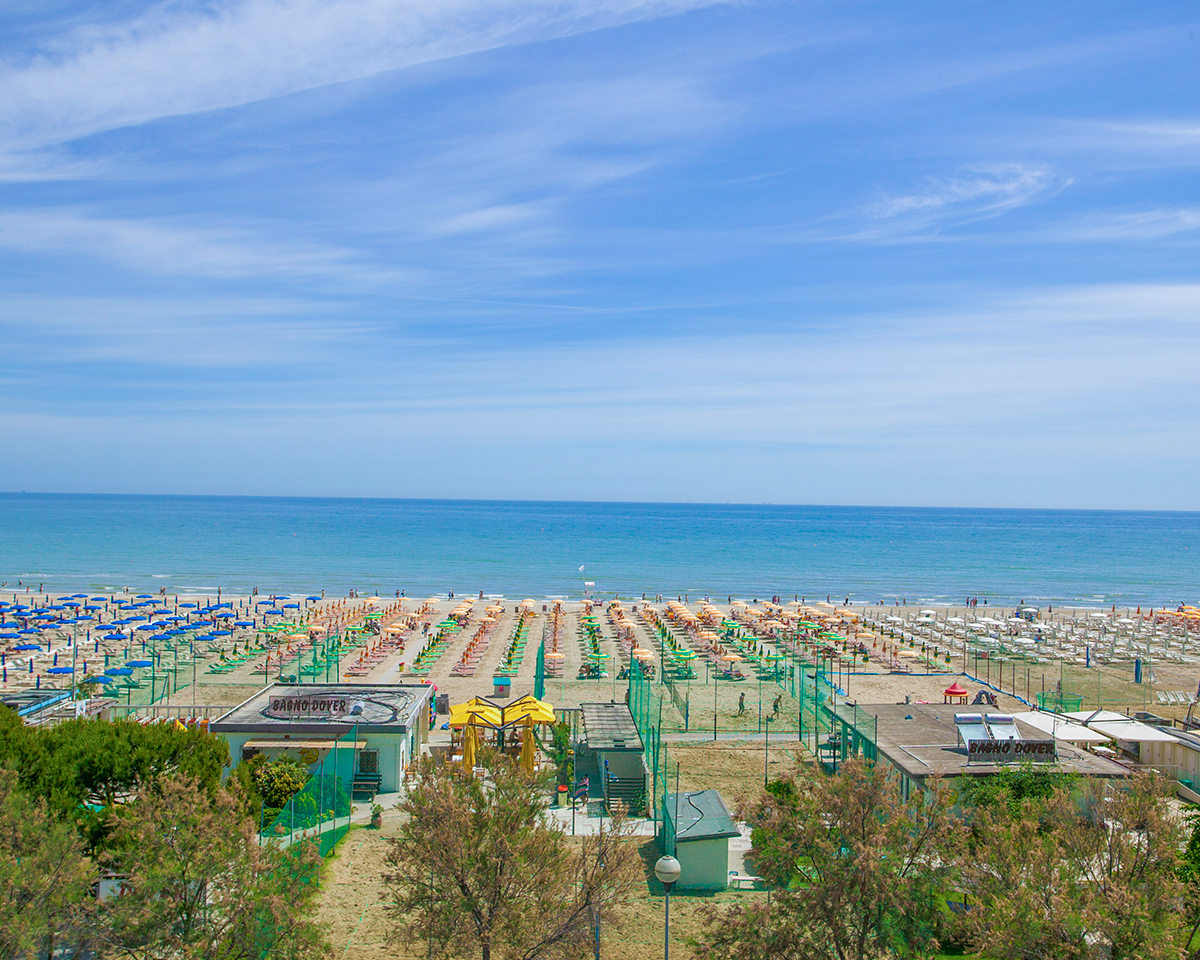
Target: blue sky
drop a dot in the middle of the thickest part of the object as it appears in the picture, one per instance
(940, 254)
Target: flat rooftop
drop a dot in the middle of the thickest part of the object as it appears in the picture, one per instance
(326, 709)
(922, 741)
(609, 726)
(702, 815)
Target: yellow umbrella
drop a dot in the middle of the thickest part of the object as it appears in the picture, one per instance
(528, 753)
(528, 710)
(469, 747)
(474, 713)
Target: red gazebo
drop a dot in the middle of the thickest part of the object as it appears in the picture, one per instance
(954, 694)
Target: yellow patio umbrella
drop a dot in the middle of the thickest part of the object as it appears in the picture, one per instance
(528, 752)
(476, 714)
(528, 710)
(469, 748)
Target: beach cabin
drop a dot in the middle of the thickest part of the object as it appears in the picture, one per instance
(611, 746)
(703, 828)
(922, 741)
(373, 730)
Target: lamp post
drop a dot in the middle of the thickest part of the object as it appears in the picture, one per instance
(667, 870)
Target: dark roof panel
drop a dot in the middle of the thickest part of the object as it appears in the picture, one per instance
(702, 815)
(609, 726)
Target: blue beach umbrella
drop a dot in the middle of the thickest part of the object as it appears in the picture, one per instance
(119, 672)
(10, 635)
(99, 679)
(222, 633)
(244, 623)
(140, 663)
(23, 647)
(61, 670)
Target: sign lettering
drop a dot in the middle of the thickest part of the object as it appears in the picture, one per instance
(308, 707)
(1010, 751)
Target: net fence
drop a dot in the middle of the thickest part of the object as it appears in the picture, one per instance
(321, 809)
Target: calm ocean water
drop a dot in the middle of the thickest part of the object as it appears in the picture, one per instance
(95, 544)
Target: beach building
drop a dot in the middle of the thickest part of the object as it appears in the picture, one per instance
(1173, 753)
(702, 828)
(921, 741)
(376, 729)
(610, 747)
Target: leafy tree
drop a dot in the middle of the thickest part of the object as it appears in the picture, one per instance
(199, 885)
(476, 867)
(1017, 784)
(856, 869)
(278, 780)
(1056, 877)
(560, 752)
(45, 879)
(84, 768)
(1189, 876)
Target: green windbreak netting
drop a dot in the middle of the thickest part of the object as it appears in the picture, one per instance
(320, 810)
(646, 706)
(539, 676)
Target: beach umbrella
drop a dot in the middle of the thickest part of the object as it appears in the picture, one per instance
(140, 663)
(528, 759)
(23, 647)
(113, 636)
(61, 670)
(97, 679)
(119, 672)
(469, 748)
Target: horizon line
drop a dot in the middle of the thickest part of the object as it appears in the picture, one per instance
(565, 501)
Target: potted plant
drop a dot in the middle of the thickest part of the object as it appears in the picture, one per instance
(376, 816)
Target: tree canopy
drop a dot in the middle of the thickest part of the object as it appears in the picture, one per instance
(478, 868)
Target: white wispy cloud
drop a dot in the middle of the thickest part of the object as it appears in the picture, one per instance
(178, 59)
(1103, 226)
(180, 246)
(976, 193)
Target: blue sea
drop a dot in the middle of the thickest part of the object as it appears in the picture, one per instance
(98, 544)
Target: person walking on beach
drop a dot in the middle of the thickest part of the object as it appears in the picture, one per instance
(742, 704)
(775, 707)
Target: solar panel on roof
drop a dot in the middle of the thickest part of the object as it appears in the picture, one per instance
(971, 728)
(1003, 727)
